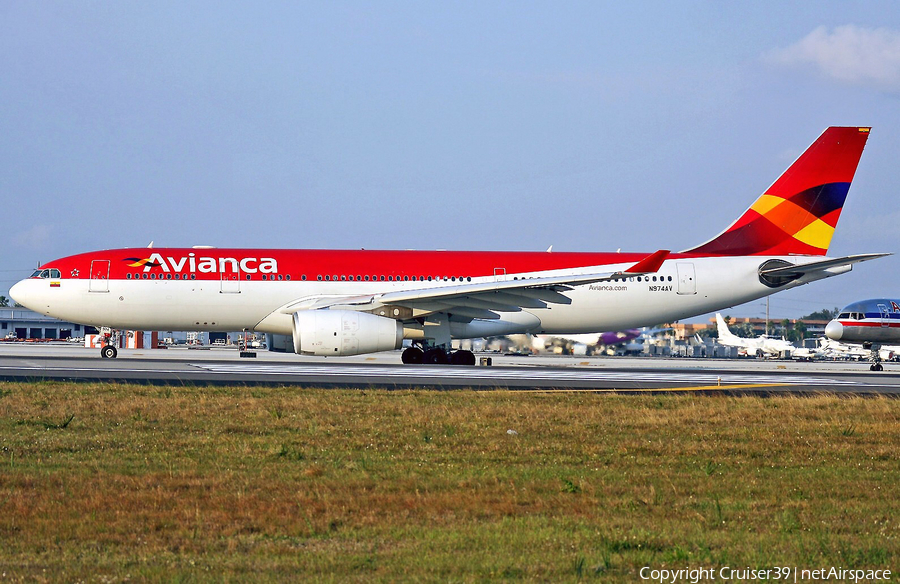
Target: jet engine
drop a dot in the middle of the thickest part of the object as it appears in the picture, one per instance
(344, 332)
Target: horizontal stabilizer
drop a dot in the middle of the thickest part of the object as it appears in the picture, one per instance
(798, 270)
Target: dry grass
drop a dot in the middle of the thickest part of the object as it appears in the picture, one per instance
(106, 481)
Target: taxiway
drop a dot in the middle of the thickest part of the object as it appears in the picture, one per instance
(19, 362)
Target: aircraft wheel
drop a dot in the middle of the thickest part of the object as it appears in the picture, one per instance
(412, 356)
(108, 352)
(462, 358)
(876, 367)
(435, 356)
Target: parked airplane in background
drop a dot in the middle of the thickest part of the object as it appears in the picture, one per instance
(870, 323)
(584, 344)
(352, 302)
(759, 346)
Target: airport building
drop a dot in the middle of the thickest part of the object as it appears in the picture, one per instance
(20, 324)
(23, 324)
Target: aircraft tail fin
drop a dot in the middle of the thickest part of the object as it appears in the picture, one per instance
(797, 215)
(724, 331)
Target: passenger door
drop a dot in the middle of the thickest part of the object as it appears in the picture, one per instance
(99, 281)
(687, 283)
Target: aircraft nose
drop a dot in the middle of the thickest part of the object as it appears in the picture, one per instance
(19, 293)
(834, 330)
(16, 292)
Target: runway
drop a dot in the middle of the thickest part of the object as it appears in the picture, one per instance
(383, 370)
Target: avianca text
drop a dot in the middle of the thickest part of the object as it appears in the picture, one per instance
(205, 264)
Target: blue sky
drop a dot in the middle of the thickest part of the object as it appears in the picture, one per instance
(486, 125)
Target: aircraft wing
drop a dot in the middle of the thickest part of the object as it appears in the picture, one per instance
(483, 299)
(799, 270)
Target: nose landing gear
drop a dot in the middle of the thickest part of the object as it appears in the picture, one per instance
(874, 356)
(109, 340)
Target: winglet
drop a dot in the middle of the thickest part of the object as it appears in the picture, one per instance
(649, 264)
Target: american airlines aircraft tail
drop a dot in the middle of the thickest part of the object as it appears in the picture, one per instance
(350, 302)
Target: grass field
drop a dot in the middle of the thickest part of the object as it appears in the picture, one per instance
(107, 482)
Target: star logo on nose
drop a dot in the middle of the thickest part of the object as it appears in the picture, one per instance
(74, 273)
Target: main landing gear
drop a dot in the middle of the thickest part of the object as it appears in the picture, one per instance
(436, 356)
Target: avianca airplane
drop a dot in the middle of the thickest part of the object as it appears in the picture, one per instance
(353, 302)
(870, 323)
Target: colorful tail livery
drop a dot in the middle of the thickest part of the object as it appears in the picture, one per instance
(797, 215)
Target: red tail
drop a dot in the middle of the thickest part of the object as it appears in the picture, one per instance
(797, 215)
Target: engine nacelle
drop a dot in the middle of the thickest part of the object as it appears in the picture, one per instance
(344, 332)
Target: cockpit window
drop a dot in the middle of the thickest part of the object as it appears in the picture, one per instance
(844, 315)
(46, 273)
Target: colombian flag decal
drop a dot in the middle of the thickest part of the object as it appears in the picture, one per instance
(54, 284)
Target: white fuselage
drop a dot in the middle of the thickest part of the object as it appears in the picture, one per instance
(679, 289)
